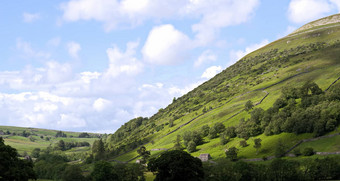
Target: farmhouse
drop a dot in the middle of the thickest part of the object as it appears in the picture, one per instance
(205, 157)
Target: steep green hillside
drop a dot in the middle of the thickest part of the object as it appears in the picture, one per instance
(310, 55)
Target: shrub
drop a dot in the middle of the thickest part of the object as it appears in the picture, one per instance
(243, 143)
(308, 151)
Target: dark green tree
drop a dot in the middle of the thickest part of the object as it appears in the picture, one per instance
(35, 153)
(11, 167)
(257, 144)
(178, 144)
(281, 169)
(61, 145)
(249, 105)
(230, 132)
(243, 143)
(197, 138)
(224, 139)
(176, 165)
(205, 130)
(98, 150)
(308, 151)
(73, 173)
(213, 132)
(103, 171)
(280, 149)
(84, 135)
(187, 136)
(231, 153)
(191, 146)
(145, 154)
(219, 127)
(60, 134)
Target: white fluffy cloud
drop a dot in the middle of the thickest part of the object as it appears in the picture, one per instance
(28, 51)
(30, 17)
(205, 57)
(213, 14)
(73, 49)
(211, 72)
(123, 62)
(336, 3)
(302, 11)
(237, 55)
(125, 12)
(219, 14)
(165, 45)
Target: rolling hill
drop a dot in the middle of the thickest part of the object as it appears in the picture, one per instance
(293, 70)
(26, 139)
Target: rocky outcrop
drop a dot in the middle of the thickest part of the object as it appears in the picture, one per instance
(320, 22)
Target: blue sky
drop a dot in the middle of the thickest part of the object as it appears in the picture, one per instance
(92, 65)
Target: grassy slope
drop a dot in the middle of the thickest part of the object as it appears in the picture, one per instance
(23, 144)
(323, 67)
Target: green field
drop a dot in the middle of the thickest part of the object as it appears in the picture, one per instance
(37, 139)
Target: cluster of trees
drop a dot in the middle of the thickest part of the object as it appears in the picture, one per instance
(13, 168)
(63, 146)
(179, 165)
(145, 154)
(110, 172)
(176, 165)
(84, 135)
(55, 167)
(98, 152)
(60, 134)
(305, 109)
(279, 169)
(7, 132)
(192, 139)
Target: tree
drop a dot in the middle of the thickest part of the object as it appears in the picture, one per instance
(280, 149)
(187, 136)
(281, 169)
(60, 134)
(197, 138)
(308, 151)
(231, 153)
(11, 167)
(98, 150)
(143, 153)
(178, 144)
(73, 173)
(35, 153)
(191, 146)
(212, 132)
(84, 135)
(205, 130)
(224, 139)
(257, 144)
(103, 171)
(61, 145)
(171, 123)
(243, 143)
(249, 105)
(176, 165)
(219, 127)
(230, 132)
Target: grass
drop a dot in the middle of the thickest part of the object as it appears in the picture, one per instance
(24, 144)
(323, 145)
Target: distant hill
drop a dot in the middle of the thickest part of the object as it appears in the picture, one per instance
(280, 81)
(27, 139)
